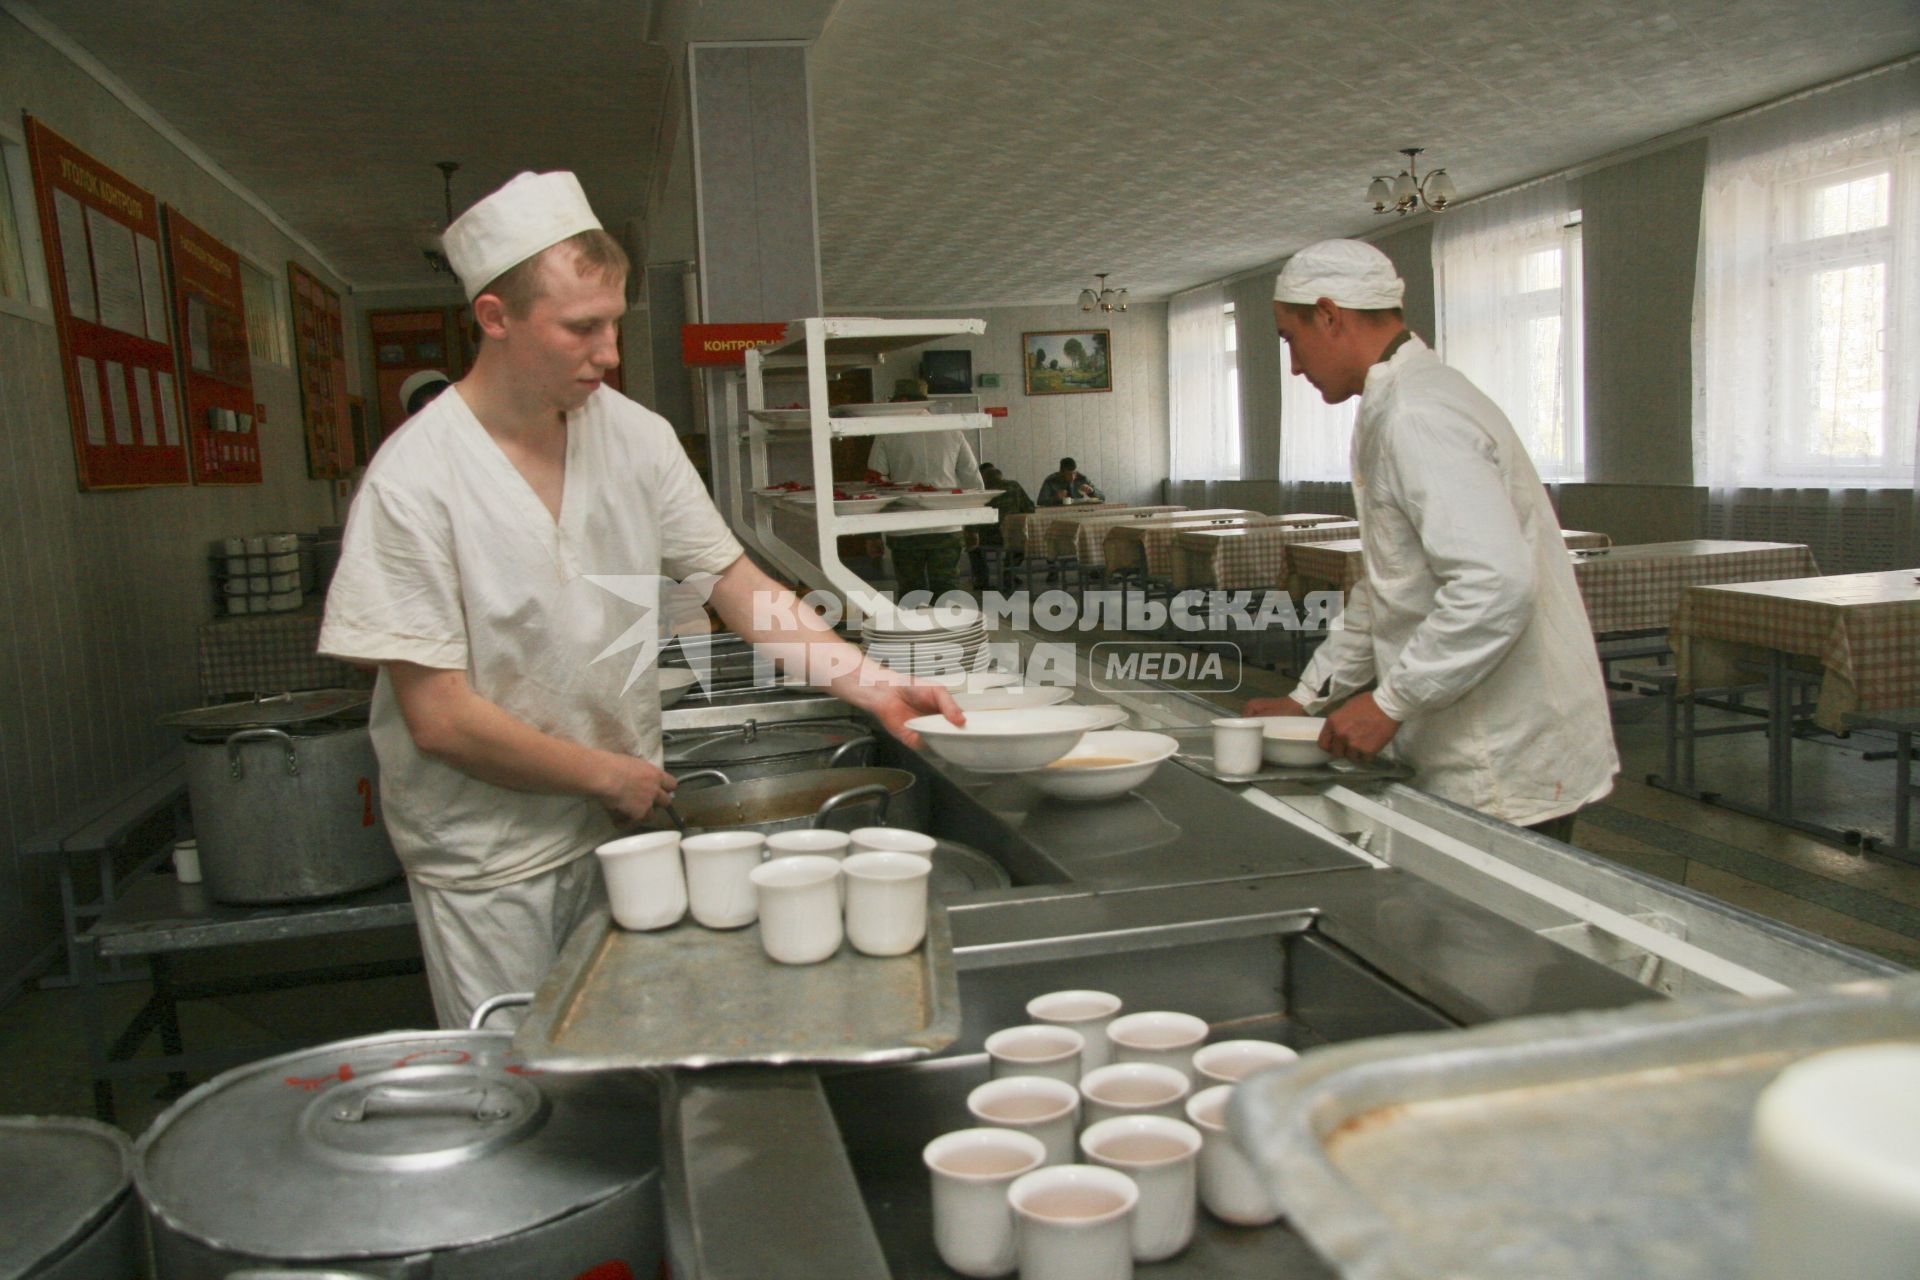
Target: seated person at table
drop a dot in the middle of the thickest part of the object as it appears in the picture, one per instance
(1013, 501)
(1068, 485)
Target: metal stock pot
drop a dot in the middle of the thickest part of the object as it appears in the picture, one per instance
(753, 750)
(286, 797)
(67, 1210)
(406, 1156)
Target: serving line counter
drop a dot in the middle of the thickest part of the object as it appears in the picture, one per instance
(1307, 914)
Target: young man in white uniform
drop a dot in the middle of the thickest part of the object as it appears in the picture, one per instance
(1469, 624)
(509, 741)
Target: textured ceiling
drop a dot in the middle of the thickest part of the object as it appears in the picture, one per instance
(334, 111)
(1001, 151)
(969, 152)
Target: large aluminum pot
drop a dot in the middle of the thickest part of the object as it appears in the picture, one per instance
(406, 1156)
(753, 750)
(67, 1210)
(842, 799)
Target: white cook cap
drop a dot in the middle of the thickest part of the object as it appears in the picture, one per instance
(424, 378)
(533, 212)
(1346, 272)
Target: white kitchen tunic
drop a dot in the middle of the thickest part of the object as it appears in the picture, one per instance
(942, 459)
(451, 561)
(1469, 617)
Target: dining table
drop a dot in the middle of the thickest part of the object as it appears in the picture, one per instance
(1242, 559)
(1856, 634)
(1146, 546)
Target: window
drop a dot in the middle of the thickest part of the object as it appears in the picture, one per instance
(1508, 271)
(1203, 410)
(1831, 277)
(1316, 438)
(22, 277)
(1807, 326)
(266, 316)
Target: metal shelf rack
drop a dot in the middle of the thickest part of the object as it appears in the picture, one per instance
(812, 347)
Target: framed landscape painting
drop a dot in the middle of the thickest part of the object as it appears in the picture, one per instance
(1067, 361)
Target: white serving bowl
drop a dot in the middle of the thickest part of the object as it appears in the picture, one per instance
(674, 683)
(1144, 753)
(1293, 741)
(1014, 698)
(1012, 741)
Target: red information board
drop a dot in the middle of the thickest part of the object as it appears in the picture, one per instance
(102, 236)
(320, 356)
(216, 374)
(724, 344)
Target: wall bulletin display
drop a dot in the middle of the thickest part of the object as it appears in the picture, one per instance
(320, 357)
(404, 343)
(216, 375)
(1066, 361)
(102, 236)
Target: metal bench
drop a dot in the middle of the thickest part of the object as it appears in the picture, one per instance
(99, 830)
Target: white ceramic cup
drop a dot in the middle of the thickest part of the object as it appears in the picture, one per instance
(646, 889)
(1087, 1012)
(1036, 1050)
(719, 864)
(1237, 745)
(1160, 1155)
(892, 840)
(1074, 1222)
(1132, 1089)
(1046, 1108)
(1231, 1061)
(799, 903)
(825, 844)
(1230, 1187)
(1168, 1039)
(886, 901)
(971, 1171)
(186, 861)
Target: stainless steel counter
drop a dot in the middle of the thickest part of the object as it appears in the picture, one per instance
(1269, 916)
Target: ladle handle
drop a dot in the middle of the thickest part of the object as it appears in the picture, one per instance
(853, 795)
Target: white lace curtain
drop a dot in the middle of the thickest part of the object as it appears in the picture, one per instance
(1506, 283)
(1316, 438)
(1200, 408)
(1807, 315)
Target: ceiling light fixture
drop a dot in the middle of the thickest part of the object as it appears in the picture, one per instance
(1409, 191)
(1103, 299)
(436, 257)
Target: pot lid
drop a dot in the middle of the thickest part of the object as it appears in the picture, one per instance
(392, 1144)
(960, 869)
(59, 1178)
(749, 743)
(276, 712)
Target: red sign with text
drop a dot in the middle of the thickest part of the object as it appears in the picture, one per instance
(725, 344)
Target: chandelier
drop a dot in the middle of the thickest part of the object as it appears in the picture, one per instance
(1409, 191)
(435, 255)
(1103, 298)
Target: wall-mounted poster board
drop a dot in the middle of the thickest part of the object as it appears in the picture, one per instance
(216, 371)
(102, 237)
(406, 342)
(320, 357)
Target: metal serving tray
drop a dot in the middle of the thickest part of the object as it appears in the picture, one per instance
(1196, 753)
(1584, 1145)
(695, 997)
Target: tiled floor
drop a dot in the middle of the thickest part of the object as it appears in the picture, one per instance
(1866, 901)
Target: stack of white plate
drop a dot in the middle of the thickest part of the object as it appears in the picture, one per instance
(928, 641)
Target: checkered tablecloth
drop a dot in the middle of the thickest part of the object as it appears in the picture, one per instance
(1087, 538)
(1245, 559)
(1064, 536)
(1862, 629)
(1341, 565)
(1148, 544)
(1031, 529)
(1638, 587)
(270, 653)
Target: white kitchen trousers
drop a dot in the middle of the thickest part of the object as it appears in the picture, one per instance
(488, 942)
